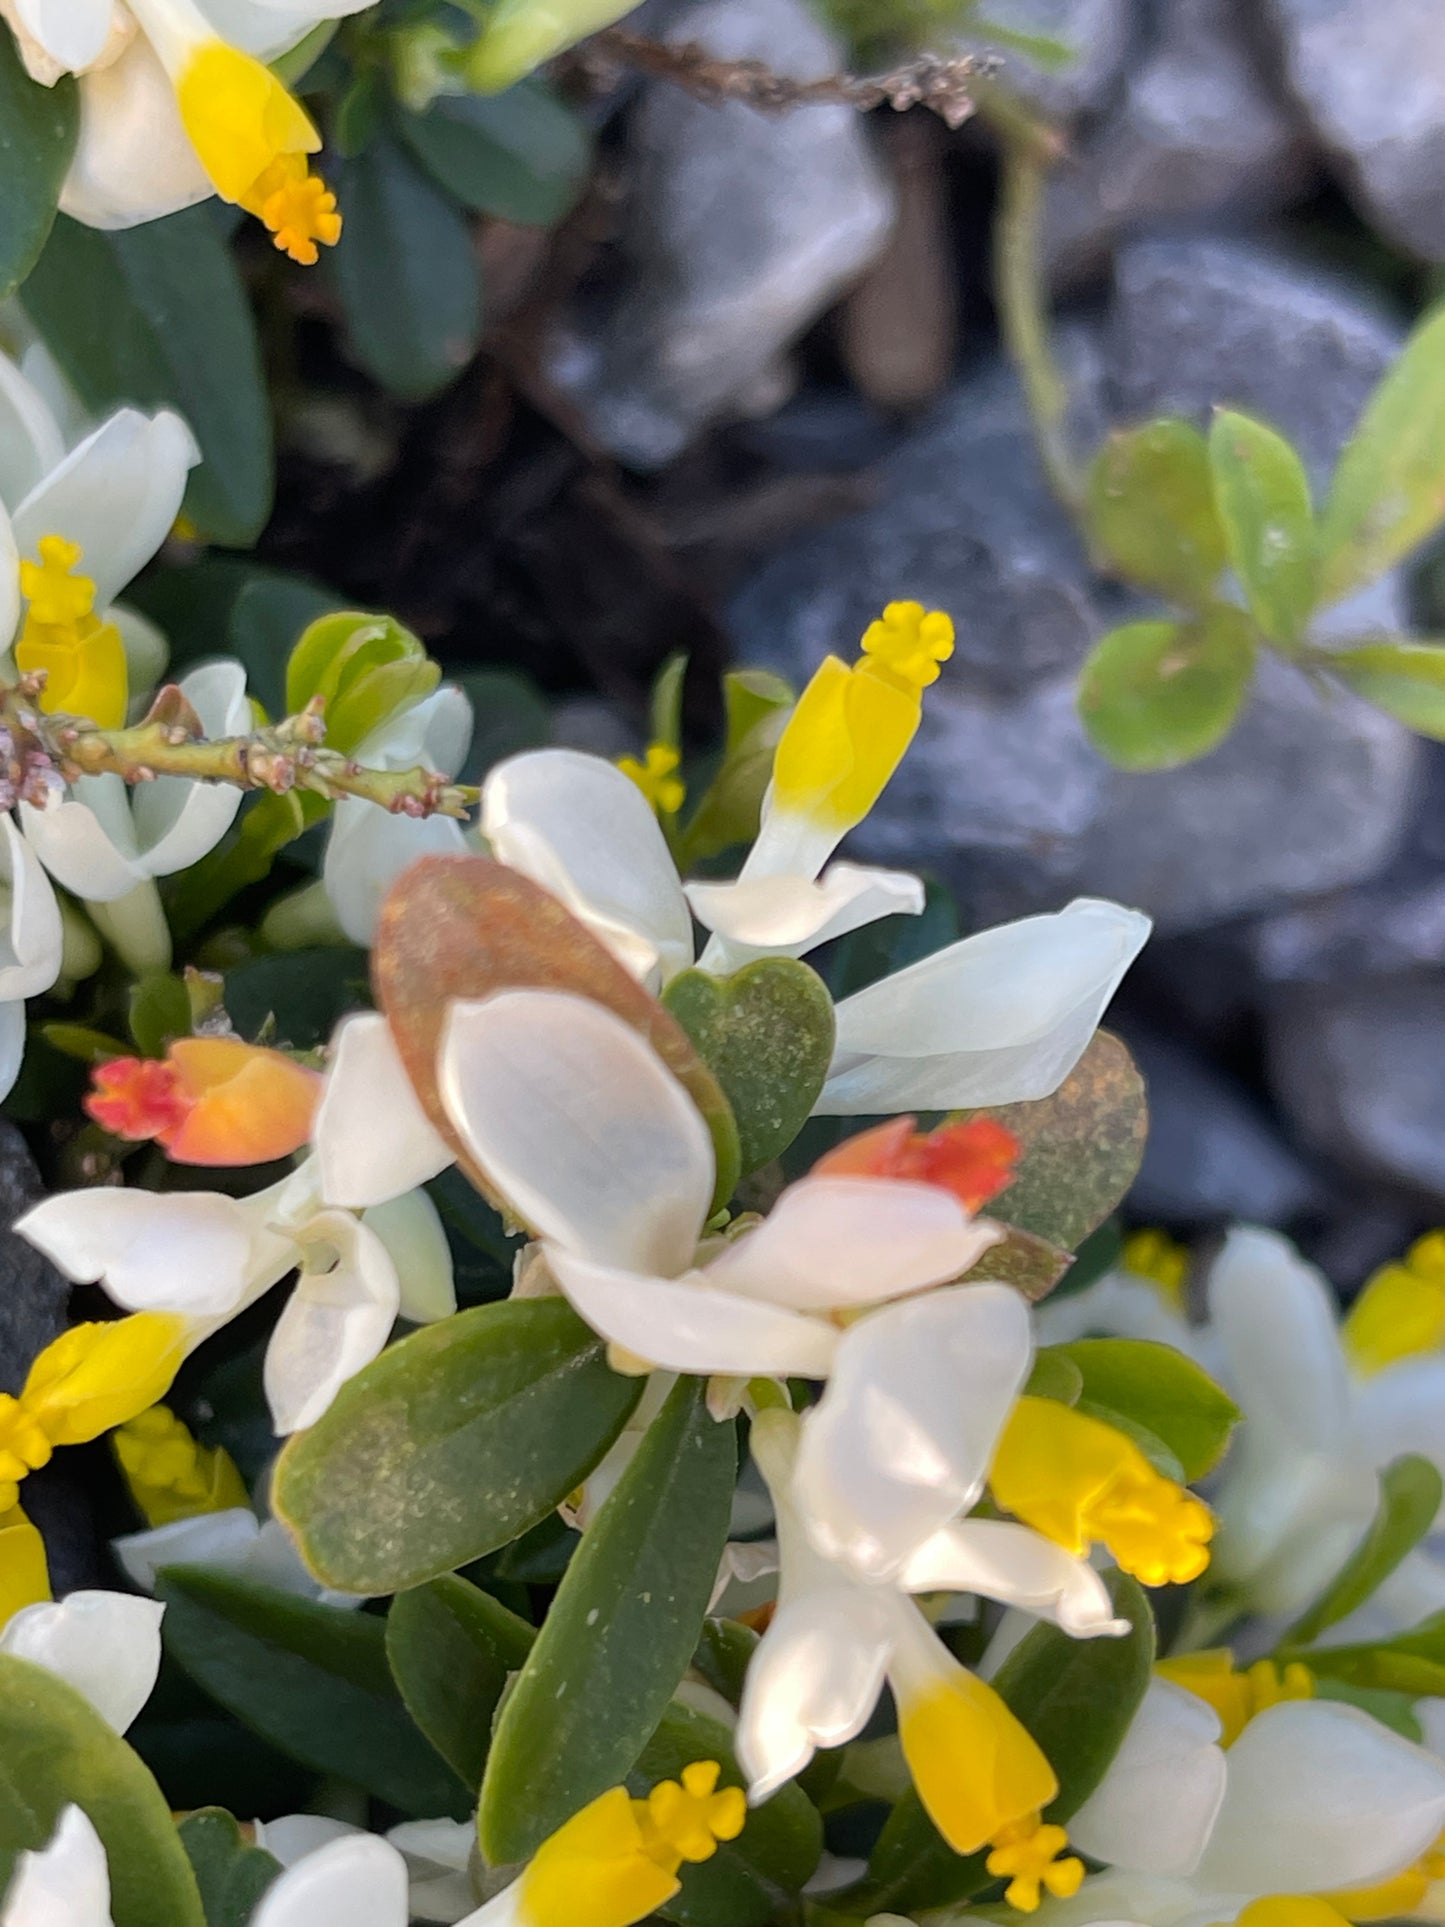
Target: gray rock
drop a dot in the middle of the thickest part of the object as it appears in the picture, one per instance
(1371, 76)
(1198, 132)
(1098, 31)
(1356, 1068)
(741, 229)
(1213, 1155)
(32, 1292)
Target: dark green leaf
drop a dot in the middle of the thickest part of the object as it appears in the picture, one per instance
(1413, 1662)
(665, 709)
(451, 1647)
(1389, 489)
(1263, 498)
(1410, 1493)
(451, 1444)
(620, 1633)
(311, 1679)
(521, 155)
(1405, 679)
(156, 316)
(1151, 509)
(54, 1749)
(1157, 1388)
(1153, 695)
(306, 991)
(406, 273)
(160, 1011)
(231, 1874)
(38, 129)
(766, 1033)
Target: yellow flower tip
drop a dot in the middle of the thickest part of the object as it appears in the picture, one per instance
(1154, 1256)
(95, 1377)
(1401, 1311)
(298, 208)
(25, 1446)
(171, 1475)
(252, 139)
(24, 1571)
(656, 778)
(1028, 1856)
(911, 641)
(83, 658)
(688, 1820)
(56, 595)
(1236, 1693)
(977, 1769)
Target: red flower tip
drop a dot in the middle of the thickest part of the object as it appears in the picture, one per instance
(210, 1100)
(974, 1160)
(136, 1097)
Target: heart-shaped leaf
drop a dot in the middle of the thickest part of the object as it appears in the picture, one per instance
(766, 1033)
(465, 927)
(452, 1443)
(1158, 1388)
(1150, 507)
(231, 1874)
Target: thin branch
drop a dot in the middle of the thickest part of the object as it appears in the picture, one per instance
(39, 751)
(940, 82)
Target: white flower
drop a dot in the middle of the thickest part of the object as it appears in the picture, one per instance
(209, 1256)
(107, 1645)
(369, 847)
(437, 1854)
(30, 944)
(63, 1884)
(231, 1541)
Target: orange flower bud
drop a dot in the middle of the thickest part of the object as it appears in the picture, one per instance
(211, 1101)
(973, 1160)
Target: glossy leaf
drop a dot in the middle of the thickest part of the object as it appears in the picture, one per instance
(1151, 511)
(451, 1646)
(1158, 1388)
(1388, 492)
(1263, 497)
(38, 130)
(156, 316)
(1410, 1494)
(521, 155)
(766, 1033)
(1405, 679)
(231, 1873)
(54, 1749)
(620, 1633)
(311, 1679)
(451, 1444)
(1153, 695)
(1082, 1147)
(1077, 1697)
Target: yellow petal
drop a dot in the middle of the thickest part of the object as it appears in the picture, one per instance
(96, 1376)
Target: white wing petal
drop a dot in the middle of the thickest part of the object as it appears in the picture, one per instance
(335, 1321)
(1156, 1805)
(372, 1139)
(107, 1645)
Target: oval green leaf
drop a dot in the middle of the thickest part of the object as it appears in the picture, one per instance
(1157, 1388)
(38, 130)
(1263, 497)
(311, 1679)
(521, 155)
(1153, 695)
(451, 1646)
(451, 1444)
(54, 1749)
(1405, 679)
(620, 1633)
(1150, 509)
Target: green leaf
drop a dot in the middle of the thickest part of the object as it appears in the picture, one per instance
(1395, 1710)
(451, 1444)
(766, 1033)
(758, 705)
(406, 274)
(311, 1679)
(307, 992)
(1405, 679)
(1081, 1148)
(86, 1046)
(665, 709)
(757, 1877)
(1263, 498)
(1077, 1697)
(1389, 488)
(620, 1633)
(451, 1647)
(245, 855)
(38, 130)
(231, 1874)
(1413, 1662)
(365, 668)
(1150, 508)
(1055, 1376)
(521, 155)
(156, 316)
(160, 1011)
(1159, 1389)
(1153, 695)
(54, 1749)
(1411, 1490)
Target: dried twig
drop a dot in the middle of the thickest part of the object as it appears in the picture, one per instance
(940, 82)
(39, 751)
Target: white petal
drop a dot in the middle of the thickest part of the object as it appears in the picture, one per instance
(274, 1559)
(1116, 1306)
(579, 827)
(581, 1127)
(294, 1835)
(999, 1018)
(436, 731)
(87, 839)
(116, 494)
(64, 1884)
(9, 582)
(30, 439)
(852, 1241)
(1321, 1797)
(1402, 1409)
(221, 1539)
(1157, 1803)
(903, 1437)
(30, 949)
(411, 1229)
(359, 1164)
(783, 916)
(813, 1681)
(999, 1559)
(188, 1251)
(1277, 1321)
(177, 822)
(368, 849)
(72, 32)
(335, 1321)
(1289, 1518)
(685, 1326)
(134, 160)
(107, 1645)
(356, 1882)
(12, 1045)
